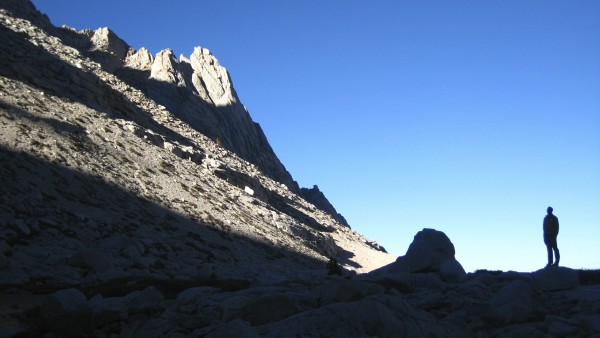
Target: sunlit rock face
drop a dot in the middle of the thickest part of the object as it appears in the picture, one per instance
(211, 79)
(138, 198)
(165, 69)
(140, 59)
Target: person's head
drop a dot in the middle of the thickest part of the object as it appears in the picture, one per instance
(549, 210)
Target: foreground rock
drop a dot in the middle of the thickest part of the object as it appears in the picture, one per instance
(377, 304)
(430, 251)
(555, 278)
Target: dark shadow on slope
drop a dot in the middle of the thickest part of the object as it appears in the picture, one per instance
(345, 258)
(23, 61)
(68, 193)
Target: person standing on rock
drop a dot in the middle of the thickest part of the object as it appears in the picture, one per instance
(550, 234)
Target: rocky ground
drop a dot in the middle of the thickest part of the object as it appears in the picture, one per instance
(137, 198)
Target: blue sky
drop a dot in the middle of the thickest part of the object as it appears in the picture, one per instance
(470, 117)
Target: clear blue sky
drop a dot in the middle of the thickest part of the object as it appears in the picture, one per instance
(470, 117)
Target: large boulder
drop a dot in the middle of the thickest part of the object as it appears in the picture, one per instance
(430, 251)
(555, 278)
(67, 311)
(452, 271)
(513, 303)
(148, 300)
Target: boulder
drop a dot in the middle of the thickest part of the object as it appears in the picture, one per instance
(452, 271)
(147, 300)
(555, 278)
(513, 303)
(429, 251)
(107, 310)
(67, 311)
(68, 300)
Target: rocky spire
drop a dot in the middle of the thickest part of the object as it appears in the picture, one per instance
(140, 59)
(108, 48)
(166, 68)
(211, 79)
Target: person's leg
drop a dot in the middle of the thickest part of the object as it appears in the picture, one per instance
(556, 255)
(549, 248)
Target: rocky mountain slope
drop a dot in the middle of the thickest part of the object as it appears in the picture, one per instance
(171, 133)
(138, 198)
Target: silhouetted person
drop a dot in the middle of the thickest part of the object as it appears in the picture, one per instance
(550, 233)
